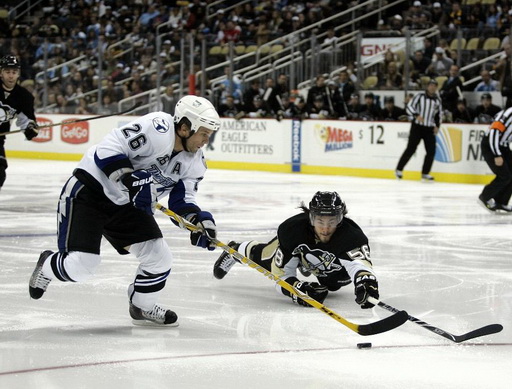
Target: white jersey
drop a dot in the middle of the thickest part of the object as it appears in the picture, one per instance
(145, 143)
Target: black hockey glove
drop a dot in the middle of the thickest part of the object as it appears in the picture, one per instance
(312, 289)
(31, 131)
(141, 190)
(207, 230)
(365, 286)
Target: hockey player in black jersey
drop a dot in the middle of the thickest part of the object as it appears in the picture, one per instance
(320, 241)
(15, 102)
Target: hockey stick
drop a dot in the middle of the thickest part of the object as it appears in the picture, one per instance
(486, 330)
(389, 323)
(137, 105)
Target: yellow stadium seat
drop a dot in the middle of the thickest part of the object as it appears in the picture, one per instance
(215, 50)
(276, 48)
(454, 45)
(251, 49)
(492, 43)
(473, 44)
(370, 82)
(440, 81)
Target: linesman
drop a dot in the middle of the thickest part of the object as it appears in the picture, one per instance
(425, 109)
(496, 152)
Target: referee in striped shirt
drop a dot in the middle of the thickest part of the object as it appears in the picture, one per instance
(425, 108)
(496, 152)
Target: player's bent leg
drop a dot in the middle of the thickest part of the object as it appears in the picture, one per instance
(155, 266)
(74, 266)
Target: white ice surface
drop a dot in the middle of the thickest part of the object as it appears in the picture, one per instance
(436, 252)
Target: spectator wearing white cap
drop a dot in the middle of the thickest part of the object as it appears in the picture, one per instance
(441, 64)
(437, 16)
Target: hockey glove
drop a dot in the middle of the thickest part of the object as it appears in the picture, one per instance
(312, 289)
(207, 230)
(366, 285)
(141, 190)
(31, 131)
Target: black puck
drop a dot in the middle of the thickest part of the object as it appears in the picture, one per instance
(364, 345)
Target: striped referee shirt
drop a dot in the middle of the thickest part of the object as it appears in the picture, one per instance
(500, 131)
(428, 107)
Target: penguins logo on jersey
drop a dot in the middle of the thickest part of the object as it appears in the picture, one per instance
(316, 261)
(6, 113)
(160, 125)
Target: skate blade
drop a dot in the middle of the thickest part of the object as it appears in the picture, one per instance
(149, 323)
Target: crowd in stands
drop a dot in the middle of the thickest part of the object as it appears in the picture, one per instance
(77, 30)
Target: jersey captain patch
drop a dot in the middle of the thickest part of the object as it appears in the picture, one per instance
(161, 125)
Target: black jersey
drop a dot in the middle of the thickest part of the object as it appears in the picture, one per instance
(347, 251)
(17, 103)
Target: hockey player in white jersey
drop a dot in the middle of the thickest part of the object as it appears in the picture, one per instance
(113, 193)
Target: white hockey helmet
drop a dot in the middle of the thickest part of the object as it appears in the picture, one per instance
(199, 112)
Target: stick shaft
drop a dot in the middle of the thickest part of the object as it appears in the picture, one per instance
(78, 120)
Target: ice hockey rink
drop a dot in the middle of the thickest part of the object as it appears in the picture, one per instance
(437, 255)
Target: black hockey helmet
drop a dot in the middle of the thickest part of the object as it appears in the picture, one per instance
(327, 204)
(9, 61)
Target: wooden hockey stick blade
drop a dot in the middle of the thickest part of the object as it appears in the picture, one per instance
(387, 324)
(135, 106)
(483, 331)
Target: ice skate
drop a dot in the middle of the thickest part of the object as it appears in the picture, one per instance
(38, 282)
(427, 178)
(157, 317)
(225, 262)
(490, 205)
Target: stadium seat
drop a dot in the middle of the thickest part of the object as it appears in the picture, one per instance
(455, 44)
(251, 49)
(492, 43)
(473, 44)
(276, 48)
(215, 50)
(264, 50)
(240, 49)
(424, 81)
(440, 81)
(370, 82)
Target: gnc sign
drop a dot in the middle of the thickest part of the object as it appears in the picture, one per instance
(75, 133)
(45, 134)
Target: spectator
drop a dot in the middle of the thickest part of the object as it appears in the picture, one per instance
(335, 102)
(318, 109)
(249, 95)
(420, 65)
(169, 100)
(486, 110)
(370, 110)
(503, 68)
(487, 84)
(345, 85)
(462, 113)
(391, 111)
(319, 89)
(230, 108)
(392, 79)
(440, 65)
(354, 107)
(451, 89)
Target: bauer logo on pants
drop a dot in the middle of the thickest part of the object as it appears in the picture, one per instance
(75, 133)
(45, 134)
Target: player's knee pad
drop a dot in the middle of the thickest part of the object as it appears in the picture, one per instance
(246, 248)
(154, 256)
